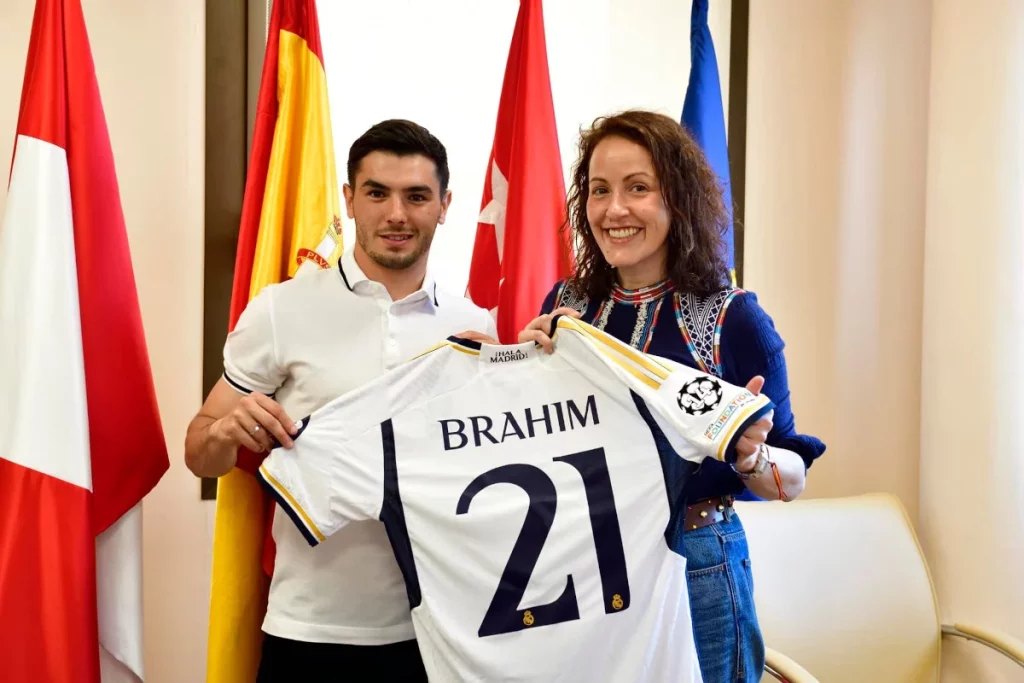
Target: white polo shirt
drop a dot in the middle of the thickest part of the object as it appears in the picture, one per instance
(305, 342)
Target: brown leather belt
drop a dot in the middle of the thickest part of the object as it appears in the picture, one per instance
(702, 513)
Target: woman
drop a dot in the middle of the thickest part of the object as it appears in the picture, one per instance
(648, 214)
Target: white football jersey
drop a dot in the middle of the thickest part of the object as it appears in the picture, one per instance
(526, 496)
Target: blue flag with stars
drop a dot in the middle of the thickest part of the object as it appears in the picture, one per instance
(704, 115)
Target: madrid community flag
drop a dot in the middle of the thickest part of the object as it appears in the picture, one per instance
(291, 223)
(520, 249)
(81, 442)
(704, 115)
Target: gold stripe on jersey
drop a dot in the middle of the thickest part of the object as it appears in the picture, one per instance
(441, 345)
(614, 349)
(463, 349)
(292, 503)
(736, 422)
(617, 359)
(433, 348)
(648, 363)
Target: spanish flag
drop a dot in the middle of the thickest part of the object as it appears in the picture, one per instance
(291, 222)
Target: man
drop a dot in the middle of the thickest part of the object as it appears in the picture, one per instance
(341, 607)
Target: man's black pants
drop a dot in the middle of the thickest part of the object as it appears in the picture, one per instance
(292, 661)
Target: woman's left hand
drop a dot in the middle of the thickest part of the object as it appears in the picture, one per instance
(749, 445)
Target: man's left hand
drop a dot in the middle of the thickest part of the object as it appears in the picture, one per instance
(478, 337)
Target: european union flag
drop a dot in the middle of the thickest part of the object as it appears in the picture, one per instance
(704, 116)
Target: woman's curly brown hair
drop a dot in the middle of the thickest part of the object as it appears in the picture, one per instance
(689, 188)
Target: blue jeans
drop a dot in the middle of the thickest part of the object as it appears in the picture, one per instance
(729, 643)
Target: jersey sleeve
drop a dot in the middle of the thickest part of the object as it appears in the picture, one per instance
(333, 474)
(335, 471)
(250, 358)
(702, 415)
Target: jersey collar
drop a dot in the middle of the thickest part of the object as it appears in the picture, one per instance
(491, 354)
(357, 281)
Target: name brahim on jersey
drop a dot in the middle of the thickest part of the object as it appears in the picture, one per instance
(561, 416)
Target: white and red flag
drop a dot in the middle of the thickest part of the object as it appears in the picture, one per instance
(81, 441)
(520, 250)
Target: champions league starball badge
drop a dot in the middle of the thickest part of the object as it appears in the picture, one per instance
(700, 396)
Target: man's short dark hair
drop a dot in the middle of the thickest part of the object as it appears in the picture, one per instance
(403, 138)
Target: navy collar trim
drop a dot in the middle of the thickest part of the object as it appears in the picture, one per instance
(341, 270)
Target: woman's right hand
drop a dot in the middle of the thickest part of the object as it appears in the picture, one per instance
(254, 422)
(539, 329)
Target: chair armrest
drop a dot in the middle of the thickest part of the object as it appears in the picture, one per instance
(785, 669)
(1002, 643)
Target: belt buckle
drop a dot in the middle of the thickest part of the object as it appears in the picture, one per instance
(706, 512)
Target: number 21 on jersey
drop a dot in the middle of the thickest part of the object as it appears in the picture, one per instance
(503, 615)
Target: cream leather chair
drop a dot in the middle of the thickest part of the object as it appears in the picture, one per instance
(850, 600)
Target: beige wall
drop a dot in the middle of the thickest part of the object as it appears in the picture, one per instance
(837, 97)
(884, 233)
(149, 62)
(972, 458)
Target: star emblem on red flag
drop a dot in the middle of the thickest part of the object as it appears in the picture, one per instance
(494, 212)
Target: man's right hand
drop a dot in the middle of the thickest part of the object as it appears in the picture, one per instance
(253, 423)
(229, 420)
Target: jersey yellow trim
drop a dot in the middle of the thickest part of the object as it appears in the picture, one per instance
(737, 421)
(649, 381)
(441, 345)
(294, 504)
(433, 348)
(659, 370)
(463, 349)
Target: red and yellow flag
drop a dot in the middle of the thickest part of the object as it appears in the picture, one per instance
(291, 221)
